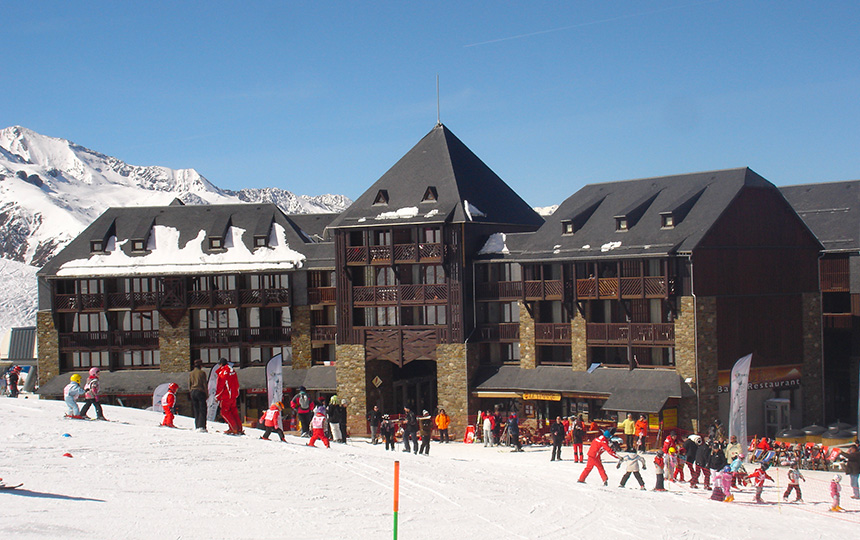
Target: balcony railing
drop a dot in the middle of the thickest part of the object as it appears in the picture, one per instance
(149, 300)
(381, 295)
(552, 333)
(501, 332)
(322, 295)
(402, 253)
(630, 287)
(637, 334)
(324, 333)
(521, 290)
(237, 336)
(105, 340)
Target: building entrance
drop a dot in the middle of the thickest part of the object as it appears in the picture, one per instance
(414, 385)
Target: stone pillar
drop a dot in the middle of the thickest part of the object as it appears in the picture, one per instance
(528, 352)
(696, 359)
(48, 354)
(812, 372)
(300, 337)
(456, 364)
(352, 385)
(174, 344)
(578, 344)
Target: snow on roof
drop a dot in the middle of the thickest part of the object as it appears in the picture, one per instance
(494, 244)
(609, 246)
(472, 211)
(167, 257)
(401, 213)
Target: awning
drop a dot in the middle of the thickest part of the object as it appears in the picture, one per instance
(639, 401)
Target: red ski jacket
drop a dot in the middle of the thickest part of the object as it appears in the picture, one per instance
(228, 384)
(598, 446)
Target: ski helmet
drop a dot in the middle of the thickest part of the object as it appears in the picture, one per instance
(75, 378)
(278, 405)
(837, 478)
(172, 387)
(94, 372)
(333, 400)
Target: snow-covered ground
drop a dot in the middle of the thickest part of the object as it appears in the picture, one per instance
(18, 299)
(130, 478)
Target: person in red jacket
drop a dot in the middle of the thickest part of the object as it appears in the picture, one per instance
(595, 449)
(758, 477)
(168, 401)
(272, 421)
(226, 392)
(318, 427)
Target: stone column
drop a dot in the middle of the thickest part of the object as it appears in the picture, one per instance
(352, 385)
(300, 337)
(174, 344)
(578, 344)
(456, 364)
(48, 354)
(812, 372)
(696, 359)
(528, 352)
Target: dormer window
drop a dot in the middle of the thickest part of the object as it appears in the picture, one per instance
(667, 221)
(430, 195)
(567, 227)
(97, 246)
(260, 241)
(381, 197)
(138, 245)
(621, 224)
(216, 242)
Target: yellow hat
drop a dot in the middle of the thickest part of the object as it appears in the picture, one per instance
(75, 378)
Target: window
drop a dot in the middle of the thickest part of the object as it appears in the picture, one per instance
(430, 195)
(138, 246)
(216, 242)
(97, 246)
(621, 224)
(140, 358)
(381, 197)
(667, 221)
(260, 241)
(567, 227)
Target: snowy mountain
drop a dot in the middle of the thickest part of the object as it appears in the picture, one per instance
(51, 189)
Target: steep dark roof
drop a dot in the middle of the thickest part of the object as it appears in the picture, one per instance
(441, 161)
(135, 222)
(695, 200)
(831, 211)
(22, 344)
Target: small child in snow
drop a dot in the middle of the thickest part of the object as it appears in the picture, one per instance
(672, 462)
(658, 467)
(386, 429)
(272, 421)
(758, 477)
(794, 478)
(168, 401)
(725, 482)
(634, 463)
(71, 392)
(835, 489)
(91, 398)
(318, 428)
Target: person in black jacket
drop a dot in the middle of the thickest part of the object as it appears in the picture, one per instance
(703, 454)
(514, 432)
(717, 459)
(426, 423)
(374, 418)
(691, 447)
(557, 432)
(387, 429)
(852, 468)
(410, 430)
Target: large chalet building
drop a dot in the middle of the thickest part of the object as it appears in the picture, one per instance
(439, 287)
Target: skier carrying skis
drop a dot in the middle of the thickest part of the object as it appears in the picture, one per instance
(794, 478)
(91, 397)
(71, 392)
(168, 401)
(272, 421)
(595, 449)
(635, 462)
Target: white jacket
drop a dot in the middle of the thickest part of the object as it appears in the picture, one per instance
(634, 462)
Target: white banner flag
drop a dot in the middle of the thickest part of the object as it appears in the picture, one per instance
(275, 379)
(211, 402)
(159, 392)
(738, 411)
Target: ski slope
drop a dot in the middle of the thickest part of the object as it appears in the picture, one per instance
(130, 478)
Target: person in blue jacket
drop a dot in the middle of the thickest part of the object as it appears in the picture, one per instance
(72, 392)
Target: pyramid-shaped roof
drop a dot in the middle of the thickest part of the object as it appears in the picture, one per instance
(438, 180)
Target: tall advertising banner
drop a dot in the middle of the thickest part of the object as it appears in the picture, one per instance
(211, 402)
(157, 394)
(275, 379)
(738, 411)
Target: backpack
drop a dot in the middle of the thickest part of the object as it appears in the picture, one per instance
(304, 401)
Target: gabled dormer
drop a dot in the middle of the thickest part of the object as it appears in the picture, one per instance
(580, 216)
(630, 216)
(678, 210)
(381, 198)
(140, 235)
(263, 231)
(100, 238)
(217, 234)
(430, 195)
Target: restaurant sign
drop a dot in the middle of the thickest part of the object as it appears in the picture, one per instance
(775, 378)
(541, 396)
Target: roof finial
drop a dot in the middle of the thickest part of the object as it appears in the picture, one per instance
(438, 113)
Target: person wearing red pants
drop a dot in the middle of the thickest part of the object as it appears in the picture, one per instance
(226, 392)
(578, 429)
(318, 429)
(597, 447)
(168, 400)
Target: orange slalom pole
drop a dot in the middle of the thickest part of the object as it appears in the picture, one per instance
(396, 494)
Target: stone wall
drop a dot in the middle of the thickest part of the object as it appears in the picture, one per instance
(528, 352)
(696, 359)
(352, 385)
(48, 353)
(456, 364)
(174, 344)
(300, 337)
(812, 373)
(578, 344)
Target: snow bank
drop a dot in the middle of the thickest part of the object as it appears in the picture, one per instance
(495, 244)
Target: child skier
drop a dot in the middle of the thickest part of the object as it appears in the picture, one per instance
(272, 421)
(91, 397)
(835, 489)
(71, 392)
(168, 401)
(794, 478)
(724, 479)
(634, 463)
(318, 428)
(672, 462)
(658, 467)
(758, 477)
(386, 429)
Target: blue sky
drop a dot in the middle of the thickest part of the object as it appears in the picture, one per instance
(324, 97)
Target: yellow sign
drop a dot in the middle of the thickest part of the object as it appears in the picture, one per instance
(542, 396)
(670, 418)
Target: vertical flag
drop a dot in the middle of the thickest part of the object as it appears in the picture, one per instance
(211, 402)
(159, 392)
(738, 410)
(275, 378)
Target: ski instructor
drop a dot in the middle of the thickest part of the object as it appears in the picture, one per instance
(597, 447)
(226, 393)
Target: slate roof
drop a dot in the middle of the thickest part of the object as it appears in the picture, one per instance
(831, 211)
(135, 223)
(638, 390)
(695, 200)
(22, 344)
(440, 160)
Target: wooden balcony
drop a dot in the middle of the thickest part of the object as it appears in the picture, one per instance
(499, 333)
(322, 295)
(324, 333)
(211, 337)
(521, 290)
(552, 333)
(108, 340)
(625, 287)
(840, 321)
(390, 295)
(636, 334)
(264, 297)
(147, 301)
(399, 253)
(400, 344)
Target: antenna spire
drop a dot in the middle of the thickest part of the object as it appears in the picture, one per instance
(438, 113)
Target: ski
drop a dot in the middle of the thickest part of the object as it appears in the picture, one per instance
(4, 486)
